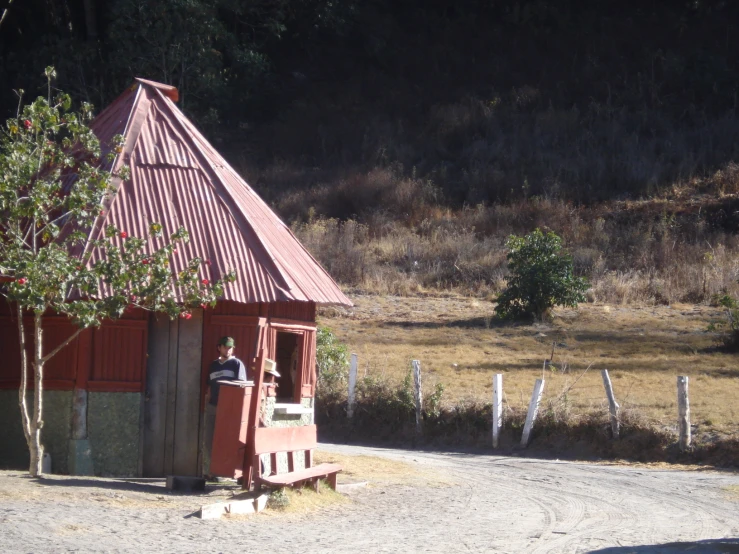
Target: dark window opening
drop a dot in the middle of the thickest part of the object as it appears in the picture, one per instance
(288, 361)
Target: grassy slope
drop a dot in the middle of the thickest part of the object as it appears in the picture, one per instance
(461, 346)
(409, 148)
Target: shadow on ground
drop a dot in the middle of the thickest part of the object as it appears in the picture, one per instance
(713, 546)
(144, 485)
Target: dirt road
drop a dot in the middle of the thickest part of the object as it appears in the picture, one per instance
(455, 503)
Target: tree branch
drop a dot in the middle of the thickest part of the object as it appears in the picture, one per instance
(49, 223)
(62, 345)
(5, 12)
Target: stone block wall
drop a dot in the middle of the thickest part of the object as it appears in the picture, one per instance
(57, 416)
(271, 419)
(112, 424)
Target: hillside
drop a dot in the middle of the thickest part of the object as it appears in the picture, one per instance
(404, 140)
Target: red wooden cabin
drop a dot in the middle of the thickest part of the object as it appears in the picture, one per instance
(127, 398)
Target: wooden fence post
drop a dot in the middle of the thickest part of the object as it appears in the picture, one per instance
(497, 407)
(683, 412)
(419, 396)
(352, 385)
(612, 404)
(533, 410)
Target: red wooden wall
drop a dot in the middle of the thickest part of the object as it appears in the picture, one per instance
(110, 358)
(240, 321)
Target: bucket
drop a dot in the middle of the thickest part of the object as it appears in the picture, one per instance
(46, 463)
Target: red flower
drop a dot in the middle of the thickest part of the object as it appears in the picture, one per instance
(207, 262)
(134, 298)
(124, 234)
(22, 281)
(205, 281)
(28, 124)
(185, 315)
(204, 306)
(102, 212)
(144, 262)
(174, 251)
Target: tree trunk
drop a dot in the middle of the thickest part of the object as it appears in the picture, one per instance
(90, 20)
(25, 421)
(35, 447)
(32, 425)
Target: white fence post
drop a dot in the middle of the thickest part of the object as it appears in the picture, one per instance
(419, 396)
(533, 410)
(497, 407)
(683, 412)
(351, 398)
(612, 404)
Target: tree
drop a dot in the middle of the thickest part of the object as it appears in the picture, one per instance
(541, 277)
(54, 256)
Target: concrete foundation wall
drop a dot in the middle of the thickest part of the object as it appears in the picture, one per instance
(271, 419)
(112, 423)
(113, 431)
(57, 416)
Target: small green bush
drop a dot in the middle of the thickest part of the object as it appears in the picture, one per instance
(278, 499)
(731, 325)
(541, 277)
(332, 359)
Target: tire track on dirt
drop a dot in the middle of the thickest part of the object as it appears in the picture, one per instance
(578, 507)
(566, 515)
(705, 520)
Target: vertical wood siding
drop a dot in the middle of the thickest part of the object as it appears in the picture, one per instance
(119, 356)
(111, 358)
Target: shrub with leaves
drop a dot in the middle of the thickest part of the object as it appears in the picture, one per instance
(332, 359)
(278, 499)
(541, 277)
(54, 183)
(730, 327)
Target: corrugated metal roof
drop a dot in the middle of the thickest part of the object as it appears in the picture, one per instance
(179, 179)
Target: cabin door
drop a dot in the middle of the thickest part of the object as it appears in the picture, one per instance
(171, 412)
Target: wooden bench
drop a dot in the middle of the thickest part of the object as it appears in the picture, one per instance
(274, 440)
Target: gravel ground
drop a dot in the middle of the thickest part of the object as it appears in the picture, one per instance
(464, 503)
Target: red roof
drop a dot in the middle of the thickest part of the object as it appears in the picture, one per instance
(179, 179)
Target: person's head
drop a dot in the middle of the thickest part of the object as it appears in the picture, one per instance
(226, 347)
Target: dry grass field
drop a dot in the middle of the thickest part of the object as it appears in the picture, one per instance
(461, 345)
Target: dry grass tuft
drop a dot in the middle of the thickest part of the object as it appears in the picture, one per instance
(381, 471)
(733, 492)
(298, 501)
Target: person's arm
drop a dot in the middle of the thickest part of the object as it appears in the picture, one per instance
(242, 371)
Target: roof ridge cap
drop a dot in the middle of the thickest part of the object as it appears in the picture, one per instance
(169, 91)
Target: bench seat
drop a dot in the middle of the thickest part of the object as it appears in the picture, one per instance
(312, 474)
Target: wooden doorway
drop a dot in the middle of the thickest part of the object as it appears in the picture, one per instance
(171, 407)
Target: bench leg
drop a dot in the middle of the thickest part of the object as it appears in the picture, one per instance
(332, 480)
(316, 484)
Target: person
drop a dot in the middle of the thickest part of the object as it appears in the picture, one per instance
(226, 368)
(294, 365)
